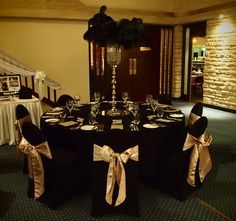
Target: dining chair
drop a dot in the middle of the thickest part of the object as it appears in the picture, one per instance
(198, 82)
(176, 178)
(198, 141)
(195, 113)
(61, 101)
(53, 173)
(25, 93)
(115, 173)
(22, 115)
(164, 99)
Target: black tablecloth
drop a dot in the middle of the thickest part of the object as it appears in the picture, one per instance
(156, 146)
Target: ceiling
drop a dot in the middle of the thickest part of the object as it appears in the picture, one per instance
(151, 11)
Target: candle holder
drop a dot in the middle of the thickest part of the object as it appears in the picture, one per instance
(113, 59)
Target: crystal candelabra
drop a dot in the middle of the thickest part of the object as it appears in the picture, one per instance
(113, 59)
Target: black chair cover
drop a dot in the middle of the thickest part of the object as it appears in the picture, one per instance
(63, 99)
(119, 141)
(164, 99)
(61, 174)
(197, 109)
(173, 176)
(25, 93)
(21, 111)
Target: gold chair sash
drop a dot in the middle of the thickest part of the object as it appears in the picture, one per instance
(116, 171)
(36, 171)
(18, 125)
(192, 118)
(200, 151)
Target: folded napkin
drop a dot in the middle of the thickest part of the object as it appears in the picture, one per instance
(68, 123)
(117, 126)
(54, 113)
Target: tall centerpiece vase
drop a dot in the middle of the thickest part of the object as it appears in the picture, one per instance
(113, 59)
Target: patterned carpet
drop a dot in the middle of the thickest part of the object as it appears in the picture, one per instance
(216, 200)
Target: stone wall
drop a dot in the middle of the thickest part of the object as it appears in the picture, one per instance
(220, 64)
(177, 61)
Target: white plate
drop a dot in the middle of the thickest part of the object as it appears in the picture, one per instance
(171, 110)
(151, 126)
(52, 120)
(176, 115)
(57, 109)
(87, 127)
(162, 120)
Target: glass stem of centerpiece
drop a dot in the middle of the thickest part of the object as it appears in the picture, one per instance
(113, 59)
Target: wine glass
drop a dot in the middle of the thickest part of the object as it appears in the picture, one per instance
(134, 109)
(154, 105)
(76, 100)
(149, 99)
(97, 97)
(70, 105)
(125, 97)
(159, 112)
(93, 113)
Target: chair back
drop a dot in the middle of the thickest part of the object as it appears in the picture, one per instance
(197, 109)
(21, 111)
(195, 113)
(25, 93)
(33, 134)
(118, 142)
(199, 127)
(164, 99)
(63, 99)
(199, 80)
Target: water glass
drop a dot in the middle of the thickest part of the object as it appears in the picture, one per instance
(70, 105)
(97, 97)
(76, 100)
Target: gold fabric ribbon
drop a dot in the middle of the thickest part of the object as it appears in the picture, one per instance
(36, 171)
(192, 118)
(18, 125)
(116, 171)
(200, 151)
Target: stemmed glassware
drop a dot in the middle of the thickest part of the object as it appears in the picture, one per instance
(159, 112)
(149, 99)
(154, 105)
(70, 106)
(76, 100)
(93, 113)
(125, 98)
(134, 109)
(97, 97)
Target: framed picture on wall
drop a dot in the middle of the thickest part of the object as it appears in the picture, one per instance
(9, 85)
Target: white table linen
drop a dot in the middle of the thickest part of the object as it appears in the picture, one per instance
(8, 117)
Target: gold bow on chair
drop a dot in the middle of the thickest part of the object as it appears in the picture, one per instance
(200, 151)
(192, 118)
(116, 171)
(18, 124)
(36, 171)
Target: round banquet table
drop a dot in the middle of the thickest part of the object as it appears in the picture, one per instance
(8, 117)
(156, 144)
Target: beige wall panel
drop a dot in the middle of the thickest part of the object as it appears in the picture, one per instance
(55, 47)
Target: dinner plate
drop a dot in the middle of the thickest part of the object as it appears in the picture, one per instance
(87, 127)
(150, 126)
(176, 115)
(57, 109)
(52, 120)
(162, 120)
(171, 110)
